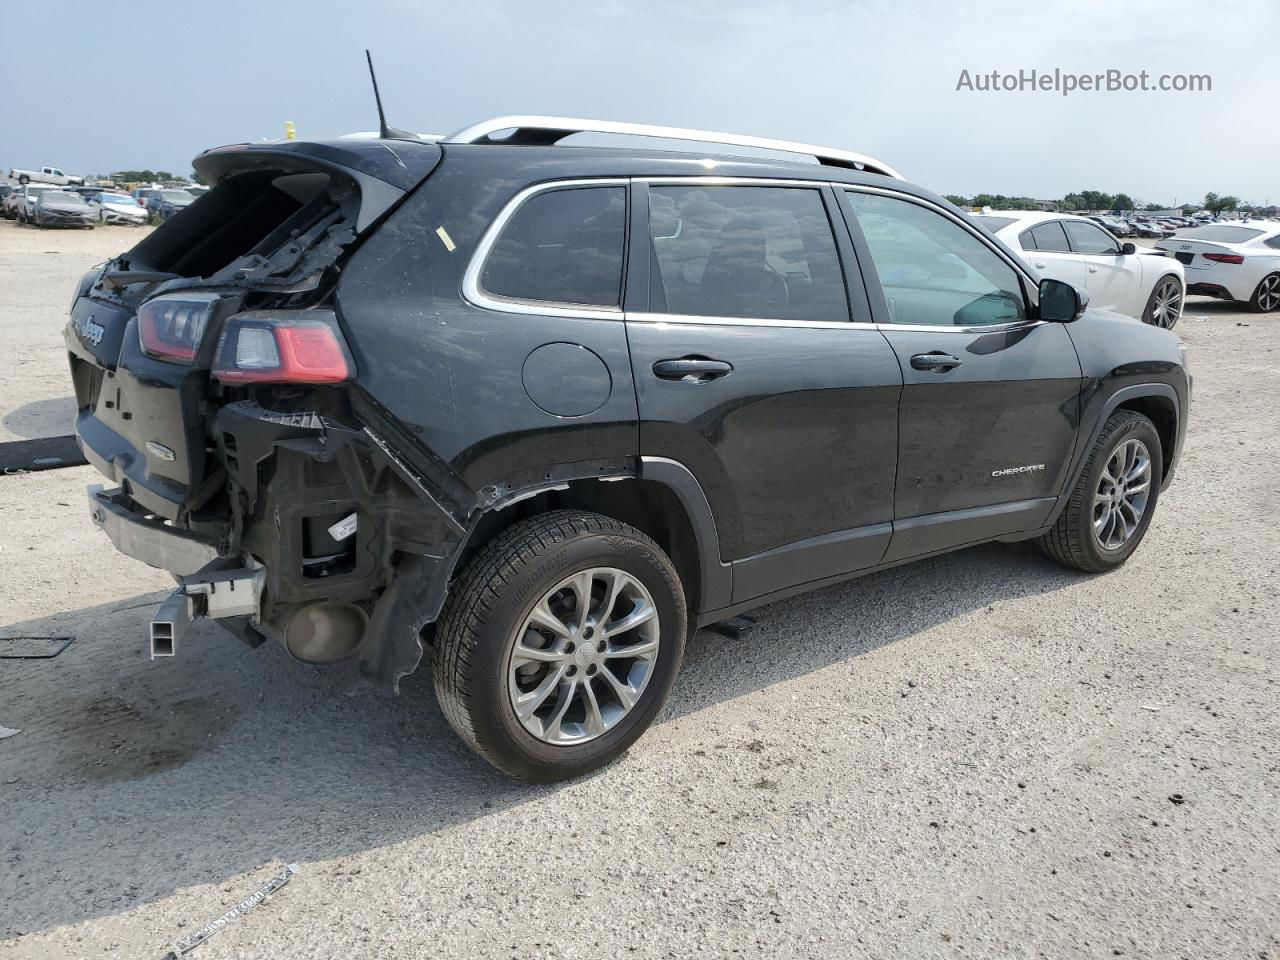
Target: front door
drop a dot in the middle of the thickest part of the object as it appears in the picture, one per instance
(752, 372)
(1111, 276)
(988, 415)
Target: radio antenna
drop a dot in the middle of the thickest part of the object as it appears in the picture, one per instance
(385, 130)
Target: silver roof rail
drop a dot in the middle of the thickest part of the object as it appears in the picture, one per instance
(544, 131)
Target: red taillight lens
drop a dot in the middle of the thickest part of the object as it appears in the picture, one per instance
(1223, 257)
(172, 328)
(274, 349)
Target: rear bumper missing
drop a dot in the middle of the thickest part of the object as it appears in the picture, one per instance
(146, 538)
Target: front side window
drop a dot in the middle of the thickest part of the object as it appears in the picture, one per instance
(934, 271)
(562, 246)
(744, 251)
(1090, 240)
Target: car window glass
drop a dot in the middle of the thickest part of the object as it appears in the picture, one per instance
(754, 252)
(561, 246)
(1027, 240)
(934, 271)
(1090, 240)
(1050, 237)
(1273, 242)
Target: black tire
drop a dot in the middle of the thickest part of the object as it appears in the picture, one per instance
(1072, 541)
(1268, 287)
(24, 179)
(491, 599)
(1149, 311)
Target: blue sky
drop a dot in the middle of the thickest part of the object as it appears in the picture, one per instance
(154, 88)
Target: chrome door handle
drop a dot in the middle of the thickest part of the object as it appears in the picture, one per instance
(936, 362)
(691, 369)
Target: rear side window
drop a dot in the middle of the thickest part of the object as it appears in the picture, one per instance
(1090, 240)
(741, 251)
(1050, 237)
(561, 246)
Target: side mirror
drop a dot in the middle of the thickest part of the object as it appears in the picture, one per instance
(1127, 249)
(1061, 302)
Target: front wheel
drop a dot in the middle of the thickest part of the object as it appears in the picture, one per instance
(1164, 306)
(1111, 505)
(24, 179)
(559, 644)
(1267, 297)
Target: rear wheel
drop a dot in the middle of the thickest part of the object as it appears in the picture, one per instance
(1267, 297)
(24, 179)
(1164, 306)
(559, 644)
(1111, 505)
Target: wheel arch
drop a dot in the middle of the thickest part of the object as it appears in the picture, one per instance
(663, 500)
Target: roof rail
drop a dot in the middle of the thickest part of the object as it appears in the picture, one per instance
(544, 131)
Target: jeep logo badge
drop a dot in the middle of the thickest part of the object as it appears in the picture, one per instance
(92, 331)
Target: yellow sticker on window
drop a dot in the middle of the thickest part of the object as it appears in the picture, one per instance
(447, 240)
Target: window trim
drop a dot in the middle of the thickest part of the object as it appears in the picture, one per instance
(1020, 269)
(1062, 227)
(821, 186)
(474, 293)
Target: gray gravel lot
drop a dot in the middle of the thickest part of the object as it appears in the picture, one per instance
(969, 757)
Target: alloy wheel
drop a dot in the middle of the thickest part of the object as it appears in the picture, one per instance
(583, 656)
(1122, 494)
(1269, 292)
(1167, 303)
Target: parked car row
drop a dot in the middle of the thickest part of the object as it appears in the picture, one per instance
(1150, 227)
(92, 204)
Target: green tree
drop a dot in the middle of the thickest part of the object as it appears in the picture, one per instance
(955, 198)
(1096, 200)
(1122, 201)
(1072, 201)
(1216, 204)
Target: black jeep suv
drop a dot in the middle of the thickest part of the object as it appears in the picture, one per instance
(535, 411)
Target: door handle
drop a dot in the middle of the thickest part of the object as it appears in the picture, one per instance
(935, 362)
(691, 369)
(1039, 266)
(1093, 269)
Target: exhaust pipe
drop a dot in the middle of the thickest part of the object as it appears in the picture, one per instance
(169, 623)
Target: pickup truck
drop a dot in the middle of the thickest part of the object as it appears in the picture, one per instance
(45, 175)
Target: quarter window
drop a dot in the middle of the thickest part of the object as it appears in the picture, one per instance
(1090, 240)
(753, 252)
(562, 246)
(932, 270)
(1050, 237)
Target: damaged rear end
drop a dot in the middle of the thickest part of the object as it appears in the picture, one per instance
(215, 389)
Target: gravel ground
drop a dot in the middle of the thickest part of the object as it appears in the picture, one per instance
(981, 755)
(38, 274)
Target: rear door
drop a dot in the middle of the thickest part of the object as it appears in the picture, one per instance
(988, 416)
(758, 370)
(1049, 251)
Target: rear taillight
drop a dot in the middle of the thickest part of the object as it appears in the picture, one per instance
(282, 348)
(172, 328)
(1223, 257)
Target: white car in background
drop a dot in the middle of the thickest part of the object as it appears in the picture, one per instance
(1147, 285)
(1231, 261)
(117, 208)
